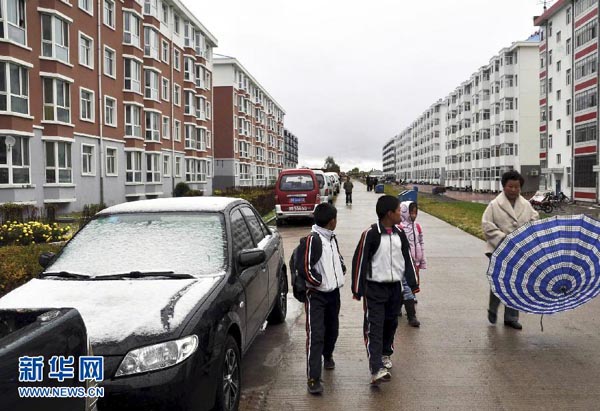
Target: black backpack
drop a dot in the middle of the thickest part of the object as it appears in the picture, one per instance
(298, 281)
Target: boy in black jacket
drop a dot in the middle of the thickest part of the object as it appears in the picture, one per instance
(323, 268)
(382, 258)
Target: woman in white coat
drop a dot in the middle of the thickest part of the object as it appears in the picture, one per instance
(507, 212)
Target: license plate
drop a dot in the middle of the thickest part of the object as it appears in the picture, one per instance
(298, 208)
(297, 200)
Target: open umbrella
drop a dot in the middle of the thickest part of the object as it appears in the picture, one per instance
(549, 265)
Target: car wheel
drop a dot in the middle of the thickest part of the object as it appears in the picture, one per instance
(229, 377)
(279, 311)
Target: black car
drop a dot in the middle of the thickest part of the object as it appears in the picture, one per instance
(172, 292)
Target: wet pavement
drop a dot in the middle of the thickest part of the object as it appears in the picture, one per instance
(456, 360)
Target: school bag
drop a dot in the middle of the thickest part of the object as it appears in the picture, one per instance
(298, 281)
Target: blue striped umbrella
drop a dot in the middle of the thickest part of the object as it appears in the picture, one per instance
(549, 265)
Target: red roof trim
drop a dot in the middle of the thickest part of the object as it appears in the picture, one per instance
(549, 13)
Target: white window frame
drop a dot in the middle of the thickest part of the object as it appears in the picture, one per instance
(177, 166)
(52, 42)
(150, 8)
(152, 128)
(208, 139)
(176, 59)
(165, 51)
(166, 127)
(177, 130)
(135, 77)
(90, 9)
(23, 91)
(92, 104)
(114, 111)
(88, 160)
(66, 89)
(165, 89)
(177, 94)
(129, 109)
(24, 158)
(90, 51)
(15, 24)
(164, 13)
(134, 35)
(133, 174)
(113, 66)
(153, 168)
(176, 24)
(166, 165)
(115, 162)
(151, 88)
(67, 166)
(109, 13)
(151, 43)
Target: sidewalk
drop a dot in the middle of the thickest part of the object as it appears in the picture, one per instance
(456, 360)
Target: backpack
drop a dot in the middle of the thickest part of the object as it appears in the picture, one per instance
(298, 281)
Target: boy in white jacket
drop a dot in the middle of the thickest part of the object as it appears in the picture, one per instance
(323, 268)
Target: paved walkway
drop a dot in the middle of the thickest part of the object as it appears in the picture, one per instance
(456, 360)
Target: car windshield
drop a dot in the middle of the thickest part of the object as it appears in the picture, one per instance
(296, 182)
(182, 243)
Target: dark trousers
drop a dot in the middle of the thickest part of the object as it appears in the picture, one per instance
(348, 197)
(510, 314)
(381, 306)
(322, 326)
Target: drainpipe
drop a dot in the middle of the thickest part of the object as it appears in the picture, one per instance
(100, 105)
(171, 97)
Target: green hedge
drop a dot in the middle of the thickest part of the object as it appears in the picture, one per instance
(262, 198)
(19, 264)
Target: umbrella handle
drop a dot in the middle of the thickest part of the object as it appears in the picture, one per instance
(541, 322)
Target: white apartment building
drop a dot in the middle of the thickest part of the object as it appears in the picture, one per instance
(389, 157)
(568, 73)
(486, 126)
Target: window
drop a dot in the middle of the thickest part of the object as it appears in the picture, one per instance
(568, 43)
(569, 107)
(177, 166)
(109, 13)
(568, 136)
(110, 111)
(165, 89)
(177, 94)
(109, 62)
(152, 126)
(256, 227)
(152, 168)
(87, 6)
(568, 15)
(189, 104)
(190, 136)
(557, 94)
(59, 168)
(549, 85)
(55, 38)
(14, 160)
(164, 15)
(584, 171)
(586, 99)
(586, 66)
(166, 127)
(568, 77)
(586, 33)
(558, 124)
(87, 160)
(86, 105)
(558, 65)
(12, 22)
(14, 88)
(151, 84)
(208, 110)
(176, 59)
(585, 133)
(549, 29)
(151, 7)
(86, 51)
(176, 24)
(558, 158)
(133, 168)
(131, 29)
(558, 34)
(133, 124)
(133, 70)
(550, 113)
(111, 161)
(549, 58)
(166, 165)
(151, 43)
(165, 51)
(57, 100)
(188, 69)
(177, 130)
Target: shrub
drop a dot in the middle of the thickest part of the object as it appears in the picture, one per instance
(181, 189)
(194, 193)
(15, 233)
(89, 211)
(19, 264)
(262, 198)
(17, 212)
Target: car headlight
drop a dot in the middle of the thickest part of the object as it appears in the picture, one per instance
(158, 356)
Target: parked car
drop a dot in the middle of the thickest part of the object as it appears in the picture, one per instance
(297, 194)
(172, 292)
(325, 186)
(335, 180)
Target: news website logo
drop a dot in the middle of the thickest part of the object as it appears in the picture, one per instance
(60, 368)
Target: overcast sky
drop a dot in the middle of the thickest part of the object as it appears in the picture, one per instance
(350, 75)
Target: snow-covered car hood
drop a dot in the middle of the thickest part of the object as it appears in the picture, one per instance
(116, 310)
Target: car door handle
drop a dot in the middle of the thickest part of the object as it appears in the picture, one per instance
(263, 267)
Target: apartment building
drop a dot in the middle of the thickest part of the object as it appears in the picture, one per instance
(249, 131)
(485, 127)
(102, 101)
(568, 72)
(290, 149)
(389, 157)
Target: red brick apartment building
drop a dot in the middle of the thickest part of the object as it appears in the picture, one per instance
(103, 101)
(249, 131)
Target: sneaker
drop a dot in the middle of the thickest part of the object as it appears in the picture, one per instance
(387, 362)
(314, 386)
(328, 363)
(382, 375)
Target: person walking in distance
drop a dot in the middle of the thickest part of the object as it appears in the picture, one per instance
(348, 186)
(504, 214)
(323, 268)
(381, 261)
(414, 232)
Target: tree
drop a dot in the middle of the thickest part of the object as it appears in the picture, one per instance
(331, 165)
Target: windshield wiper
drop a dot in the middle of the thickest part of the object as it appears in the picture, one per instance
(143, 274)
(64, 274)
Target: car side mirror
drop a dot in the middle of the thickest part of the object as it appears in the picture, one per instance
(46, 258)
(251, 257)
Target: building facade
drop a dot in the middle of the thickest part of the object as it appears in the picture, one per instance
(249, 131)
(389, 158)
(290, 149)
(103, 101)
(485, 127)
(568, 104)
